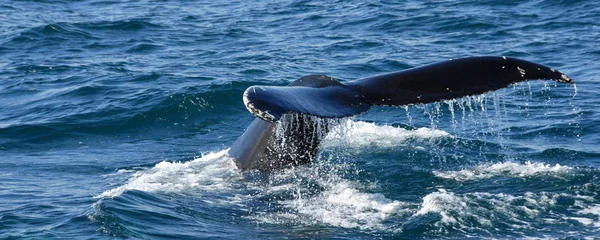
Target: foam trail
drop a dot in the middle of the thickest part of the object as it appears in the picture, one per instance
(359, 134)
(504, 169)
(211, 172)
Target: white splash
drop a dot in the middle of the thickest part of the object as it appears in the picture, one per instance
(504, 169)
(358, 134)
(342, 205)
(339, 202)
(212, 172)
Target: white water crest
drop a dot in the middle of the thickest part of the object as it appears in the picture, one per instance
(211, 172)
(339, 202)
(504, 169)
(481, 210)
(357, 134)
(590, 214)
(345, 206)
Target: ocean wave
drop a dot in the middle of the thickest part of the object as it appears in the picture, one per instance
(212, 172)
(59, 113)
(517, 213)
(341, 203)
(50, 34)
(145, 48)
(323, 194)
(469, 23)
(128, 25)
(505, 169)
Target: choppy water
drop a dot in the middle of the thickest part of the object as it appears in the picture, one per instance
(116, 117)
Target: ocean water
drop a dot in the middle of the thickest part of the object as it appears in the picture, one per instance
(116, 116)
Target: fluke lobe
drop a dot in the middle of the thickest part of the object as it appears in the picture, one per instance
(292, 120)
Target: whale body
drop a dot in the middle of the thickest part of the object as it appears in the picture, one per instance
(292, 120)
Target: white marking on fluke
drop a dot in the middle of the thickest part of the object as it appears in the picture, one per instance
(521, 71)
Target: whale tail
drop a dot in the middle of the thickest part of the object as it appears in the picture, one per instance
(323, 96)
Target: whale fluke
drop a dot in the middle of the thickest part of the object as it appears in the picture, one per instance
(326, 97)
(290, 120)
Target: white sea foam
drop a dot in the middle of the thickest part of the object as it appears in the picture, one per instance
(211, 172)
(359, 134)
(442, 202)
(481, 210)
(593, 209)
(582, 220)
(339, 202)
(342, 205)
(503, 169)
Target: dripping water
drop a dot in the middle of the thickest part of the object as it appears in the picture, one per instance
(297, 136)
(490, 117)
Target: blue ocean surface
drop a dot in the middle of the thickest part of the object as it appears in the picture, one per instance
(116, 117)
